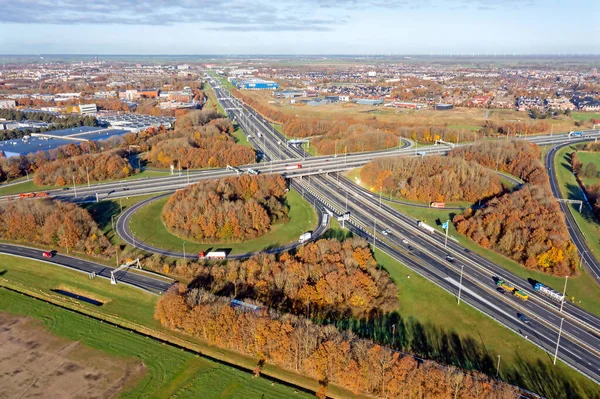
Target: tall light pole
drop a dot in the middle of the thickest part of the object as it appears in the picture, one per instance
(558, 340)
(498, 367)
(112, 221)
(74, 187)
(581, 259)
(460, 283)
(184, 251)
(447, 225)
(564, 294)
(87, 172)
(374, 231)
(380, 189)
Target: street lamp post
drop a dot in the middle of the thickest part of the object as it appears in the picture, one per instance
(74, 187)
(87, 172)
(380, 189)
(446, 238)
(498, 367)
(184, 251)
(112, 221)
(374, 231)
(558, 340)
(460, 283)
(564, 294)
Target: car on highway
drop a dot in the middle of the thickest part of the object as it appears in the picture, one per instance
(384, 232)
(522, 317)
(47, 254)
(404, 241)
(411, 248)
(501, 290)
(450, 258)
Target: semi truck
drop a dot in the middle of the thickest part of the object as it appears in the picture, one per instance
(437, 205)
(425, 226)
(325, 220)
(513, 290)
(549, 292)
(212, 255)
(292, 167)
(305, 237)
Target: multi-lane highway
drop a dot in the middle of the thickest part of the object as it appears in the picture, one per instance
(580, 331)
(140, 279)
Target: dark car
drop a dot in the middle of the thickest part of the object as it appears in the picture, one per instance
(411, 248)
(450, 258)
(501, 290)
(523, 318)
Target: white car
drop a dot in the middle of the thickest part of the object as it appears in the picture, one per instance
(404, 241)
(384, 232)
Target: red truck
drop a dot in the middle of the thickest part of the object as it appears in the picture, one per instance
(291, 167)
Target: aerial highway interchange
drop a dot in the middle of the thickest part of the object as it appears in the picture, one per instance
(320, 182)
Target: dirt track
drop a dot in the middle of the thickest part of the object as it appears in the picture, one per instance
(36, 364)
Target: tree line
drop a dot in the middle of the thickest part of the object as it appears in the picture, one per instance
(328, 278)
(321, 352)
(106, 165)
(491, 128)
(53, 223)
(434, 178)
(226, 210)
(525, 225)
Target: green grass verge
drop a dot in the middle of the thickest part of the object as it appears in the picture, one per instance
(584, 116)
(240, 137)
(169, 372)
(590, 157)
(147, 226)
(436, 324)
(582, 288)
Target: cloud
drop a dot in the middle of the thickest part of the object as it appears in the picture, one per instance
(249, 15)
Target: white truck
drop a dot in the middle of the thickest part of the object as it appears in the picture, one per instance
(214, 255)
(425, 227)
(305, 237)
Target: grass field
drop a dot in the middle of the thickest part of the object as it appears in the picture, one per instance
(586, 157)
(147, 226)
(169, 372)
(169, 376)
(584, 116)
(240, 137)
(581, 288)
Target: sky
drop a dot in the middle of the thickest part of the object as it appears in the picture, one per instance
(299, 27)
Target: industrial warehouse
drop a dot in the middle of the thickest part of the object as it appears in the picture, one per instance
(54, 139)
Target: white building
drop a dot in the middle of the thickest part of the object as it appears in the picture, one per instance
(88, 109)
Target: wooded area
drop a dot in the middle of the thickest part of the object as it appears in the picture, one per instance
(434, 178)
(525, 225)
(588, 170)
(518, 158)
(107, 165)
(201, 139)
(230, 209)
(320, 352)
(328, 278)
(53, 223)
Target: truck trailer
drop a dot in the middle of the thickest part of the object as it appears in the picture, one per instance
(549, 292)
(425, 227)
(305, 237)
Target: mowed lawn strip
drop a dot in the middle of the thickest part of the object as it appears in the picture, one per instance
(148, 227)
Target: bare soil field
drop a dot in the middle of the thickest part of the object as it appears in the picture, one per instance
(36, 364)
